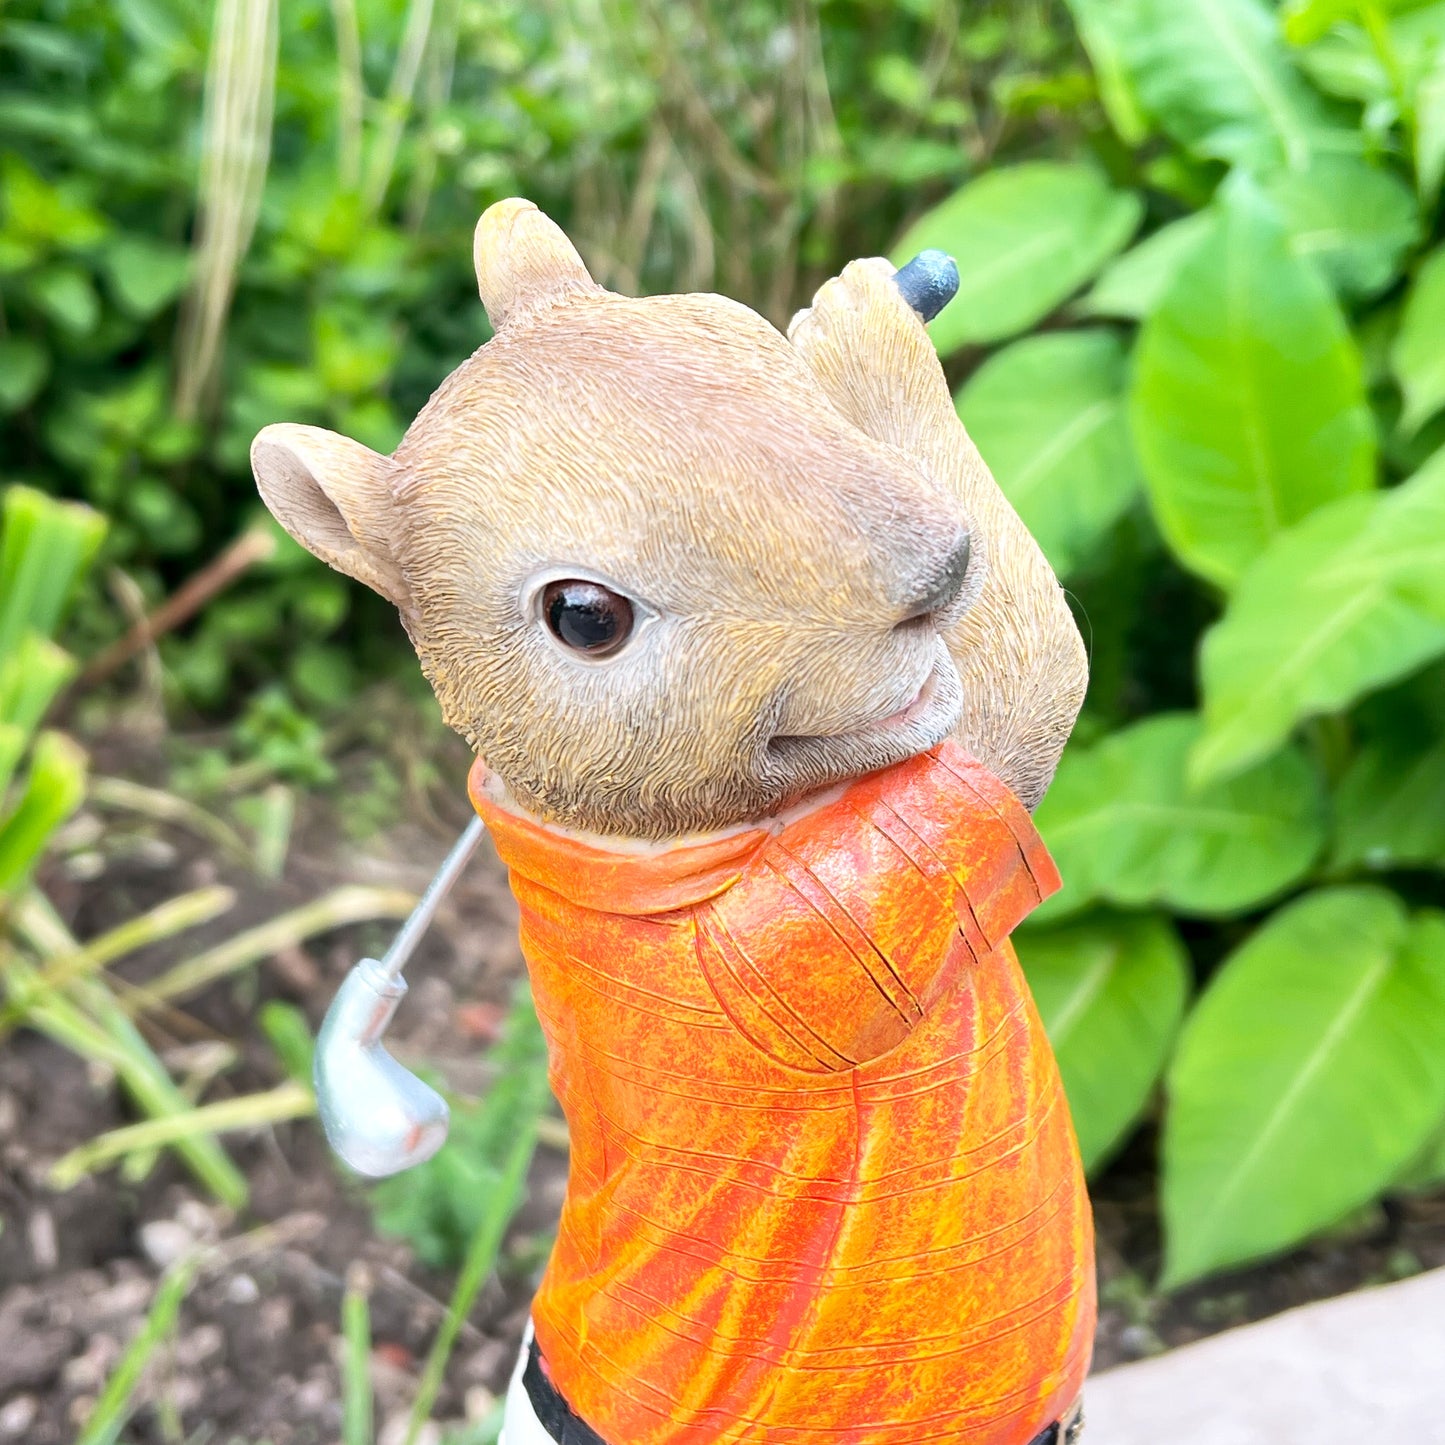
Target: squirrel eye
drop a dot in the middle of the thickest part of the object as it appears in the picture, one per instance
(586, 616)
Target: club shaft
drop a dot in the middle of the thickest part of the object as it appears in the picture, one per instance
(410, 933)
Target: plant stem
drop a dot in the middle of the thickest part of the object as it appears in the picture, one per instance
(290, 1100)
(244, 553)
(91, 1021)
(349, 904)
(480, 1261)
(125, 796)
(169, 918)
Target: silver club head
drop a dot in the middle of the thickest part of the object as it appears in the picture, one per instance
(379, 1117)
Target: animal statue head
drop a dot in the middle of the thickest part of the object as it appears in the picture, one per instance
(669, 571)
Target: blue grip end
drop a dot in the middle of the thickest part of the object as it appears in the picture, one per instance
(928, 282)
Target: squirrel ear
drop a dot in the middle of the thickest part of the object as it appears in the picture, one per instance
(334, 496)
(524, 260)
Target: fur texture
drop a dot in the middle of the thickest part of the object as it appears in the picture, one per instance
(786, 518)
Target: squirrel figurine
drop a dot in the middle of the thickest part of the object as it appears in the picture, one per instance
(764, 677)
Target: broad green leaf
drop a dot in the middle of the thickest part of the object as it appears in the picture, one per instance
(1135, 283)
(1390, 807)
(146, 275)
(65, 294)
(1375, 334)
(1417, 28)
(1124, 826)
(354, 351)
(1426, 1171)
(53, 789)
(1308, 1075)
(1418, 357)
(1111, 993)
(1349, 600)
(1216, 76)
(1342, 63)
(1047, 414)
(1111, 74)
(1248, 403)
(1354, 220)
(23, 369)
(1025, 238)
(1306, 20)
(1430, 129)
(48, 214)
(1346, 60)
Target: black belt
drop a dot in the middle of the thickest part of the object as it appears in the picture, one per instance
(553, 1412)
(557, 1419)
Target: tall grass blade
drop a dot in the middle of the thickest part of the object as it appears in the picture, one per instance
(286, 1101)
(123, 795)
(91, 1022)
(356, 1400)
(235, 152)
(396, 108)
(31, 674)
(116, 1403)
(350, 904)
(174, 916)
(350, 92)
(476, 1269)
(52, 792)
(44, 545)
(12, 748)
(514, 1104)
(275, 814)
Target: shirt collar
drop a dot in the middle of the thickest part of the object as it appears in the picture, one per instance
(613, 880)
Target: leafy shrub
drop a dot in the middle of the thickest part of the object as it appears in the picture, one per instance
(685, 146)
(44, 547)
(1230, 444)
(438, 1206)
(1224, 443)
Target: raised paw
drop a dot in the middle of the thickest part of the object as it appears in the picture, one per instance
(868, 347)
(1017, 649)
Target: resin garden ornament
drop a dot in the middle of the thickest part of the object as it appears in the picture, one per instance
(763, 676)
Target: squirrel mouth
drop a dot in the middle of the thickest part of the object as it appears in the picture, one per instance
(923, 721)
(916, 706)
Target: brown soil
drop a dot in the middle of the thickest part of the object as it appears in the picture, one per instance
(255, 1357)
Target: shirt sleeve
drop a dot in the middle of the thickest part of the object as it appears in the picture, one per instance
(846, 928)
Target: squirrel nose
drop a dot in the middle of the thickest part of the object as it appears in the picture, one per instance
(945, 584)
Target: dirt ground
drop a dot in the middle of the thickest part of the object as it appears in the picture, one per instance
(255, 1357)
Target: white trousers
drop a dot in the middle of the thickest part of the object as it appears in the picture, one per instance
(520, 1425)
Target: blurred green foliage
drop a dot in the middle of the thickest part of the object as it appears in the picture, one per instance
(1220, 219)
(45, 547)
(437, 1206)
(685, 146)
(1230, 447)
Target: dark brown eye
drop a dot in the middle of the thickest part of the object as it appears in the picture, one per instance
(587, 616)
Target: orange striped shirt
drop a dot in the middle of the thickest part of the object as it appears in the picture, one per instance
(823, 1183)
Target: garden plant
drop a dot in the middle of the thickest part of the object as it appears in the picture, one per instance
(1229, 446)
(1200, 340)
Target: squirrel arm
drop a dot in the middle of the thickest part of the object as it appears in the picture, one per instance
(849, 926)
(1015, 644)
